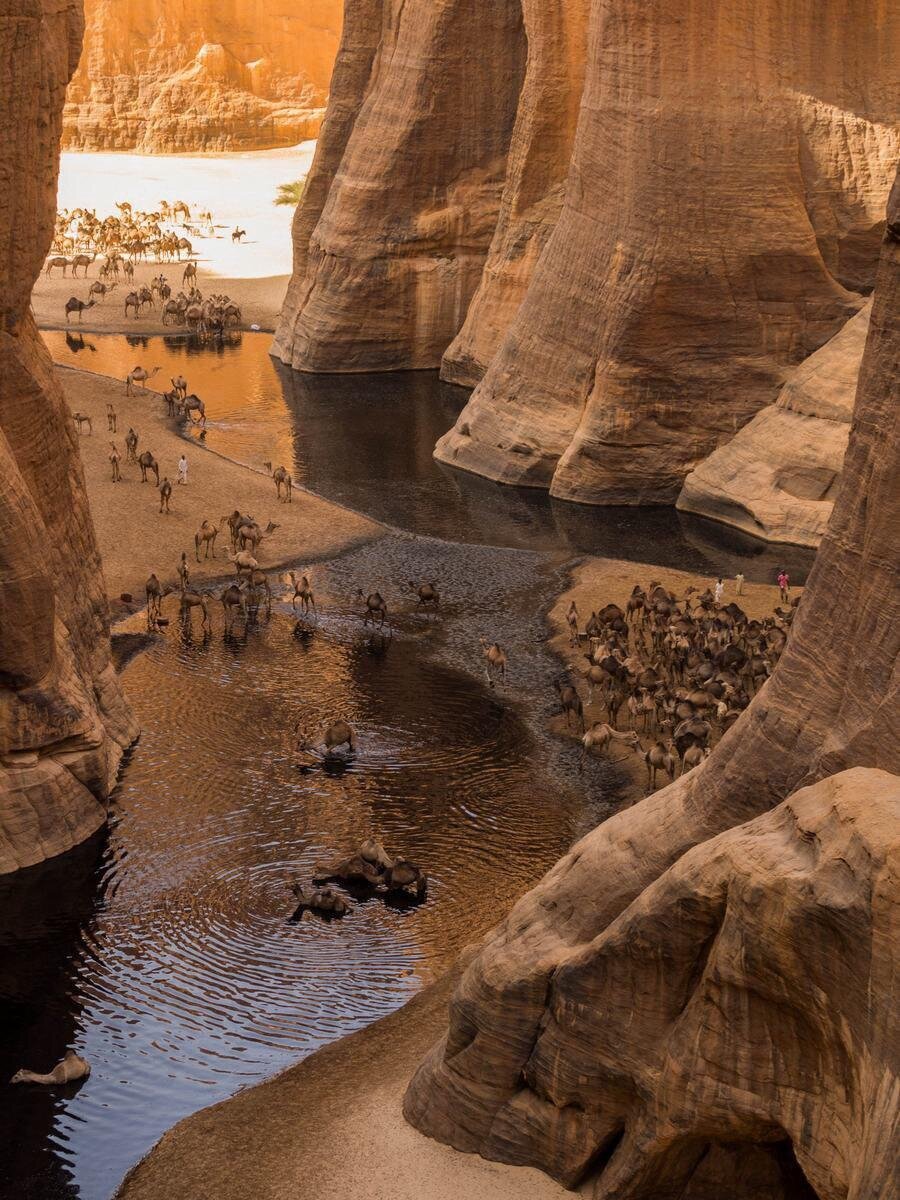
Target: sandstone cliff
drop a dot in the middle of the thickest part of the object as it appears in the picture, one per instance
(64, 721)
(169, 77)
(778, 476)
(655, 1013)
(632, 291)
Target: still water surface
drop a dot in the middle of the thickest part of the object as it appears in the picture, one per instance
(163, 950)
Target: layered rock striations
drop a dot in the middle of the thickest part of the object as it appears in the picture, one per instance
(634, 285)
(64, 721)
(778, 476)
(697, 1000)
(166, 76)
(404, 197)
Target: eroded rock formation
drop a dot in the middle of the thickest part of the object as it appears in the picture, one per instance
(655, 1012)
(632, 296)
(778, 476)
(64, 720)
(169, 77)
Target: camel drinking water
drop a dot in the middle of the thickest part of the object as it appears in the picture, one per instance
(68, 1070)
(302, 592)
(375, 607)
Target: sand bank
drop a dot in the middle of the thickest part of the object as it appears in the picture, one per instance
(238, 189)
(136, 539)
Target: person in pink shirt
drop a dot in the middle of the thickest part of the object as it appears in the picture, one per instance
(784, 584)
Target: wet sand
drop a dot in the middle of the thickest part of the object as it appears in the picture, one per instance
(331, 1126)
(136, 539)
(238, 189)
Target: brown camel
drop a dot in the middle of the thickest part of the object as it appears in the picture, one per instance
(233, 604)
(165, 494)
(375, 607)
(303, 593)
(147, 462)
(69, 1069)
(191, 600)
(131, 444)
(428, 595)
(323, 900)
(207, 534)
(338, 735)
(155, 594)
(114, 460)
(495, 660)
(660, 757)
(283, 480)
(139, 375)
(73, 304)
(184, 575)
(82, 419)
(600, 736)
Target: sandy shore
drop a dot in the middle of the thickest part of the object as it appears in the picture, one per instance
(238, 189)
(332, 1127)
(136, 539)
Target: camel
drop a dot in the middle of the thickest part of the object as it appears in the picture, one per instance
(82, 260)
(255, 580)
(57, 262)
(189, 274)
(155, 594)
(114, 460)
(73, 304)
(322, 900)
(495, 660)
(111, 419)
(372, 865)
(133, 300)
(571, 702)
(192, 404)
(600, 736)
(233, 603)
(191, 600)
(660, 757)
(404, 874)
(165, 494)
(243, 561)
(82, 419)
(147, 462)
(250, 535)
(693, 756)
(237, 233)
(207, 534)
(131, 445)
(180, 207)
(100, 290)
(283, 479)
(69, 1069)
(375, 607)
(128, 271)
(139, 375)
(337, 736)
(179, 384)
(303, 593)
(428, 595)
(572, 622)
(184, 575)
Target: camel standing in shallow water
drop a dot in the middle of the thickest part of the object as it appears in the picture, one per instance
(495, 660)
(375, 607)
(303, 593)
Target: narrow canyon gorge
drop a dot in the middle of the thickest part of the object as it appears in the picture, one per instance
(65, 721)
(624, 225)
(169, 77)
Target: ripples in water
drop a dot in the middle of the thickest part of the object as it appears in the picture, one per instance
(173, 964)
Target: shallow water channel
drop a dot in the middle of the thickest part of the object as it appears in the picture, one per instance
(164, 949)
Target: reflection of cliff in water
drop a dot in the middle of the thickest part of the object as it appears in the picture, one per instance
(44, 913)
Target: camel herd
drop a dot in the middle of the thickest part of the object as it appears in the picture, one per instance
(128, 238)
(678, 670)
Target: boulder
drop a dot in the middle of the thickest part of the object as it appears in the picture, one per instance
(778, 476)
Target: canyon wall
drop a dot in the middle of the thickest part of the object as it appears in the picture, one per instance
(696, 1001)
(630, 245)
(778, 476)
(169, 76)
(63, 720)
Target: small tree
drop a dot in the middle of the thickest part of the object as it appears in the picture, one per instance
(290, 193)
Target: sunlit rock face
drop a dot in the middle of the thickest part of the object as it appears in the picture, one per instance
(685, 202)
(778, 476)
(694, 1001)
(171, 76)
(64, 720)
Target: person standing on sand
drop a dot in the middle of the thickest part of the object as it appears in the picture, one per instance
(784, 584)
(182, 470)
(720, 588)
(739, 581)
